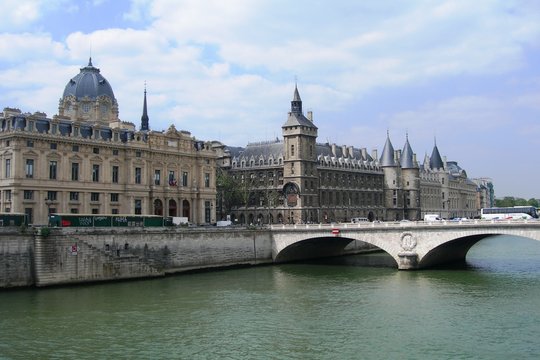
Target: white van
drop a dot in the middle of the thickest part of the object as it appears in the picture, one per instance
(432, 217)
(359, 220)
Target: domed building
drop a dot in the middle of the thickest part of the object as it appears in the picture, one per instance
(85, 160)
(89, 97)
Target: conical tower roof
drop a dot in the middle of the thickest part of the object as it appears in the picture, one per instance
(407, 156)
(387, 157)
(435, 161)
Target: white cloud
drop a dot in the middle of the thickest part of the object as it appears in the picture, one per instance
(226, 69)
(16, 14)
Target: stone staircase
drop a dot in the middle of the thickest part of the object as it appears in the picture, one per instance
(64, 260)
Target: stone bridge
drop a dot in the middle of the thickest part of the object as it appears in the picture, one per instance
(413, 245)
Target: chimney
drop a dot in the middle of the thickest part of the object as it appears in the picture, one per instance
(310, 116)
(344, 151)
(363, 151)
(374, 154)
(334, 150)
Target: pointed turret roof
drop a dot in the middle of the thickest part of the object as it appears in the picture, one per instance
(435, 161)
(296, 96)
(387, 157)
(296, 117)
(407, 156)
(145, 126)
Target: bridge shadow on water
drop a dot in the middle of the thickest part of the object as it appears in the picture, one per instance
(372, 259)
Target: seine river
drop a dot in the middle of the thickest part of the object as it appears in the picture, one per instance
(489, 309)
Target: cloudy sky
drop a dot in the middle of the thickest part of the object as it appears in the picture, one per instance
(466, 73)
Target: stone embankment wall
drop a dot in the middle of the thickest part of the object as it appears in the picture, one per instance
(16, 258)
(175, 250)
(78, 255)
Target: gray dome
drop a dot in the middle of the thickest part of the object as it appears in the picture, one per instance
(89, 82)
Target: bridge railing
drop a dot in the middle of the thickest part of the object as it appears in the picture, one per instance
(383, 224)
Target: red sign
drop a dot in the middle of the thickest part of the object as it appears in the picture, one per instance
(335, 232)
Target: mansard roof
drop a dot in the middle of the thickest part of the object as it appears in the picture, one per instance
(266, 149)
(326, 150)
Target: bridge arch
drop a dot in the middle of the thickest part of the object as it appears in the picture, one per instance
(313, 248)
(411, 245)
(456, 250)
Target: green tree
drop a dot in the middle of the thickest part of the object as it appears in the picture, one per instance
(510, 201)
(507, 201)
(533, 202)
(227, 192)
(246, 189)
(521, 202)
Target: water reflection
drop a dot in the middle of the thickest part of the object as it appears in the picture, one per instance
(354, 307)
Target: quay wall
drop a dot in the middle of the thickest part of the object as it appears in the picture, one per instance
(177, 250)
(78, 255)
(16, 258)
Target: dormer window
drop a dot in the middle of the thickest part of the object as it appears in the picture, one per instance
(86, 107)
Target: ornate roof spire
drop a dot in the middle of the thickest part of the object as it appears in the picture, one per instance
(144, 117)
(296, 103)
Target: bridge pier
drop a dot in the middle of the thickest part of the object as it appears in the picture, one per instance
(407, 260)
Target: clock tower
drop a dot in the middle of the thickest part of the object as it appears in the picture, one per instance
(300, 165)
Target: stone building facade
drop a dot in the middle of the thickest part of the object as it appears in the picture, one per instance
(86, 160)
(297, 180)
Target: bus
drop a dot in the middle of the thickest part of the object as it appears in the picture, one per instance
(105, 220)
(13, 219)
(516, 212)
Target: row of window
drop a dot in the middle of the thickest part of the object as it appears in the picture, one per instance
(328, 198)
(53, 196)
(271, 161)
(338, 198)
(333, 179)
(75, 148)
(75, 171)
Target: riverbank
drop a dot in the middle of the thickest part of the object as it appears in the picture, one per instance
(78, 255)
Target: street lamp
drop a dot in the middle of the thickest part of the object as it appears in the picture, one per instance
(48, 202)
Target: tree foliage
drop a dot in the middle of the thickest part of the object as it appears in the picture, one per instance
(227, 191)
(509, 201)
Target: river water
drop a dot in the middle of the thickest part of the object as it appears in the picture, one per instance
(488, 309)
